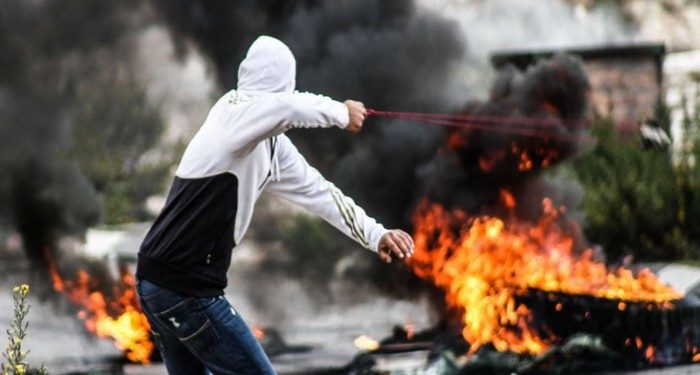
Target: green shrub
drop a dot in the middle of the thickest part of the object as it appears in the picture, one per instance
(641, 202)
(114, 126)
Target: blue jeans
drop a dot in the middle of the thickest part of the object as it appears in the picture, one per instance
(196, 335)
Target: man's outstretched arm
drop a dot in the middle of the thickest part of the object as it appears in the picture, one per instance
(277, 113)
(304, 186)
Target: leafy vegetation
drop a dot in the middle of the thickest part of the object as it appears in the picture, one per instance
(640, 201)
(114, 129)
(14, 358)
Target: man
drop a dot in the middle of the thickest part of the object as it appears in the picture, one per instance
(239, 151)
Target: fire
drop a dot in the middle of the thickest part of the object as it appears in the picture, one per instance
(484, 262)
(524, 161)
(548, 156)
(118, 318)
(410, 331)
(649, 353)
(258, 332)
(455, 140)
(489, 161)
(507, 199)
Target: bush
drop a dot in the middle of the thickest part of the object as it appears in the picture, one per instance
(641, 202)
(114, 127)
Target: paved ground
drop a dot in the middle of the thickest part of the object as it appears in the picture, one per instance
(678, 370)
(60, 342)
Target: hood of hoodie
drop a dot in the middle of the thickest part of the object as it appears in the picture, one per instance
(269, 66)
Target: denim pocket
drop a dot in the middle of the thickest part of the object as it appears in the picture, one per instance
(188, 321)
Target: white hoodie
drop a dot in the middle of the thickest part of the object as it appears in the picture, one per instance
(241, 146)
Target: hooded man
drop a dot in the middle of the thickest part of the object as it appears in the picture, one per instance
(239, 152)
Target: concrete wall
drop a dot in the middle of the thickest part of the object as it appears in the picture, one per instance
(627, 88)
(626, 80)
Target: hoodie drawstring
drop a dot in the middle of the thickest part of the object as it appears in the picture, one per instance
(275, 168)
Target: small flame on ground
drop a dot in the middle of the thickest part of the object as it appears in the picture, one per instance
(258, 332)
(118, 317)
(483, 263)
(410, 331)
(649, 353)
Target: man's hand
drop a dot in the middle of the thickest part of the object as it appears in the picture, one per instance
(358, 113)
(396, 242)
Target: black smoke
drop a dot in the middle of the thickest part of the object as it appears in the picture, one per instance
(388, 54)
(536, 120)
(45, 50)
(223, 30)
(391, 55)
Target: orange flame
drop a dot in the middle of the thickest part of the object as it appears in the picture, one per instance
(410, 331)
(507, 199)
(258, 332)
(649, 353)
(484, 265)
(488, 161)
(118, 318)
(524, 162)
(455, 140)
(548, 156)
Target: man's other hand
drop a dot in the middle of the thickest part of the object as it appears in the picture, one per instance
(397, 243)
(358, 113)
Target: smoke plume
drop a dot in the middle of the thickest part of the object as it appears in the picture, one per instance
(48, 49)
(389, 54)
(393, 55)
(538, 121)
